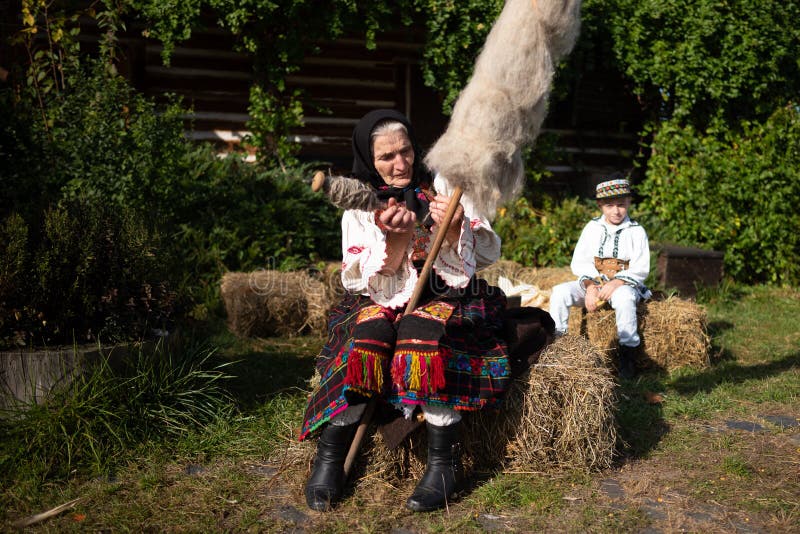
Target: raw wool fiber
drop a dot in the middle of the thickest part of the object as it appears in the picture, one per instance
(502, 107)
(274, 303)
(674, 333)
(350, 193)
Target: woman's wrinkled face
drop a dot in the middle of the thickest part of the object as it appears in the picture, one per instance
(393, 156)
(615, 209)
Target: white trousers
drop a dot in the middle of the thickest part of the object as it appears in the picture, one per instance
(623, 301)
(435, 415)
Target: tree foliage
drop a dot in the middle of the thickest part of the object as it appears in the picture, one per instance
(708, 61)
(720, 81)
(735, 192)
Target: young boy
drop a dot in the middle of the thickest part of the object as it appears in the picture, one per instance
(611, 261)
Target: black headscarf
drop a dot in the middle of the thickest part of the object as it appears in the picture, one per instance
(364, 166)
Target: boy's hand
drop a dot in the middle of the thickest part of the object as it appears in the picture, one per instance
(608, 289)
(592, 298)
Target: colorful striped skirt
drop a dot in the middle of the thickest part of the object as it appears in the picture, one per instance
(448, 352)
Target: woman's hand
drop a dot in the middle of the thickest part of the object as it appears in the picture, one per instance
(399, 225)
(438, 208)
(396, 218)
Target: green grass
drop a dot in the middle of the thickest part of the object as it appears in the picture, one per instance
(536, 494)
(139, 475)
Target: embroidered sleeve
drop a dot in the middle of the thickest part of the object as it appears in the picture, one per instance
(478, 245)
(363, 259)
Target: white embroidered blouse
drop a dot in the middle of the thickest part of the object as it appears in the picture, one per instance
(364, 254)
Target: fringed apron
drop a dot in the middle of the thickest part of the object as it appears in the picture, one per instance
(448, 352)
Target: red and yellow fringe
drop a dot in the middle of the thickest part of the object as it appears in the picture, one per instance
(420, 371)
(364, 369)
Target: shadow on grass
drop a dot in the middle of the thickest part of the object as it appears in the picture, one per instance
(730, 372)
(640, 417)
(719, 353)
(262, 368)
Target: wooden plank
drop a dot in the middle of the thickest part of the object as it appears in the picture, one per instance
(378, 73)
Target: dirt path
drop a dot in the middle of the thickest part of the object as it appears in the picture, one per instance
(725, 476)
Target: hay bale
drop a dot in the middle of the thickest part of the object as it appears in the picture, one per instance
(270, 303)
(566, 406)
(558, 415)
(576, 323)
(674, 333)
(545, 277)
(506, 268)
(601, 328)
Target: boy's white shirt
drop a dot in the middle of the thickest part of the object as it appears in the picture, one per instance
(597, 239)
(364, 254)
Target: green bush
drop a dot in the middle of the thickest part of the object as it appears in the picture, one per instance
(543, 237)
(229, 215)
(706, 60)
(93, 186)
(109, 142)
(13, 257)
(93, 274)
(216, 213)
(733, 192)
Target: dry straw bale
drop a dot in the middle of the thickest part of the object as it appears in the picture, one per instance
(269, 303)
(558, 415)
(542, 277)
(506, 268)
(331, 277)
(674, 332)
(545, 277)
(562, 412)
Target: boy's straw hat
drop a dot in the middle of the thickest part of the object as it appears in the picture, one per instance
(614, 188)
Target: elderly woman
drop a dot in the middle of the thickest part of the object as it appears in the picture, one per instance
(444, 358)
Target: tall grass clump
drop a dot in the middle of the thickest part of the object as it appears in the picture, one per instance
(86, 426)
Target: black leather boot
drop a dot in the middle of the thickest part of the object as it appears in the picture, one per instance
(324, 486)
(443, 472)
(627, 361)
